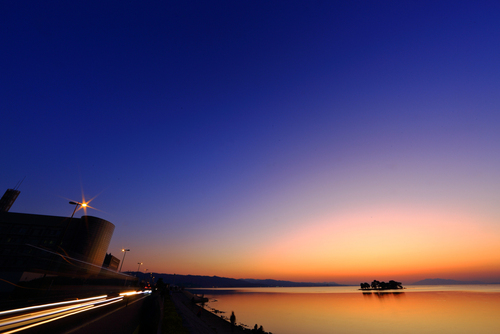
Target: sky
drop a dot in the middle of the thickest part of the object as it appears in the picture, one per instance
(317, 141)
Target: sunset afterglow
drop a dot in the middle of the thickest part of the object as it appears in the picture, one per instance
(320, 142)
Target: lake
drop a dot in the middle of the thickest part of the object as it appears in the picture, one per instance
(321, 310)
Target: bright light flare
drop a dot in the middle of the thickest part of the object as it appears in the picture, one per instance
(131, 293)
(84, 204)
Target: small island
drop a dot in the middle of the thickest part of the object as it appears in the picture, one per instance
(376, 285)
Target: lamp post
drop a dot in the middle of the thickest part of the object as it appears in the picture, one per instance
(139, 263)
(76, 204)
(124, 253)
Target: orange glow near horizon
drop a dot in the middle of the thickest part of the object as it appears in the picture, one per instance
(405, 244)
(347, 247)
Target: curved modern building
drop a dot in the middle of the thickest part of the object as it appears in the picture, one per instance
(88, 239)
(52, 245)
(51, 258)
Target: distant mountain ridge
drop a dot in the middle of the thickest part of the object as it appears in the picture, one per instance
(194, 281)
(272, 282)
(441, 281)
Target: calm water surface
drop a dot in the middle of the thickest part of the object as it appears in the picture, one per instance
(417, 309)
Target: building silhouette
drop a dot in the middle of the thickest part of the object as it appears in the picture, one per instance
(38, 245)
(111, 262)
(8, 199)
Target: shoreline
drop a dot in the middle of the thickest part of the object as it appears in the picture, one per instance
(198, 320)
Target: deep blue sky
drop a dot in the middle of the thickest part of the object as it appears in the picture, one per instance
(213, 127)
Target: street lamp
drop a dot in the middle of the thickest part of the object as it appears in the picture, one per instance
(139, 263)
(124, 253)
(77, 204)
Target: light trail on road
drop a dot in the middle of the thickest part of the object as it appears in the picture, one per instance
(50, 305)
(16, 320)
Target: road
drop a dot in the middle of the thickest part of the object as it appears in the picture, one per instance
(135, 314)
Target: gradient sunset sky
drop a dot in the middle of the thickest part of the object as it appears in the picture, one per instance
(318, 141)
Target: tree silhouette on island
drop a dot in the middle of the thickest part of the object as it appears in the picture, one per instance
(376, 285)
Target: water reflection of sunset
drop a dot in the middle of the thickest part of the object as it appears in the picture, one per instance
(408, 312)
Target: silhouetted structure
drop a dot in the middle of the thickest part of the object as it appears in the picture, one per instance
(36, 245)
(8, 199)
(111, 262)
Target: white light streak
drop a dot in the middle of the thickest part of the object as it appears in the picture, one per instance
(37, 318)
(50, 305)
